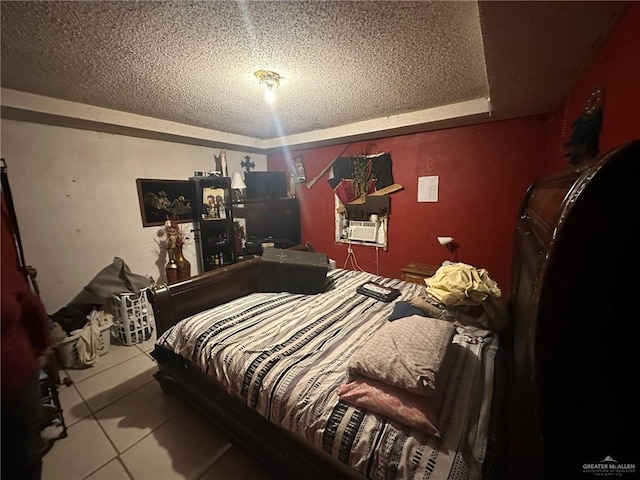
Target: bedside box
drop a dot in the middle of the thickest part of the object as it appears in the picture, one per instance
(415, 272)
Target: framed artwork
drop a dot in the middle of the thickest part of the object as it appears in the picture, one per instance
(299, 172)
(164, 199)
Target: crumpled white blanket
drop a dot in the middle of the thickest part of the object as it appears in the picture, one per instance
(89, 341)
(459, 284)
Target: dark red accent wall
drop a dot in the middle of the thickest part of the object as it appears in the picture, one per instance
(616, 67)
(484, 172)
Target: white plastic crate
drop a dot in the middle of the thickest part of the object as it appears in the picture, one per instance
(68, 353)
(133, 317)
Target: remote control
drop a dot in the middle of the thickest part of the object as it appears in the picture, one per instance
(375, 290)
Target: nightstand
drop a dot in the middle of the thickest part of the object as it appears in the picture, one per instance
(416, 272)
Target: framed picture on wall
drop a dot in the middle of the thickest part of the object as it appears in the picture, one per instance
(299, 172)
(161, 200)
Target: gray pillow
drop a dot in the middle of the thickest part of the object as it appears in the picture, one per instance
(406, 353)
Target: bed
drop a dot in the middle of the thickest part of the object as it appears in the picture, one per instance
(266, 368)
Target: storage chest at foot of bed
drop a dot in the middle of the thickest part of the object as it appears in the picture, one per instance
(292, 271)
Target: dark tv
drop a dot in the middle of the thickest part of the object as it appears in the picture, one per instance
(276, 221)
(265, 185)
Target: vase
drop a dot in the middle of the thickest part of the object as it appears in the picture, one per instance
(171, 268)
(178, 267)
(182, 264)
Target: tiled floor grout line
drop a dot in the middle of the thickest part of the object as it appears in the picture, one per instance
(73, 385)
(117, 399)
(84, 400)
(118, 455)
(155, 428)
(207, 466)
(223, 452)
(124, 467)
(115, 449)
(140, 352)
(93, 416)
(93, 413)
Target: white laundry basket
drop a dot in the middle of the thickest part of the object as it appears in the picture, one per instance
(133, 317)
(68, 353)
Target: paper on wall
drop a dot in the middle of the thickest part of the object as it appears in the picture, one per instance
(428, 188)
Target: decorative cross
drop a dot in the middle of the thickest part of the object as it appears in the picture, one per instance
(247, 164)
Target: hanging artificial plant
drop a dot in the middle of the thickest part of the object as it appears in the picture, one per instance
(361, 172)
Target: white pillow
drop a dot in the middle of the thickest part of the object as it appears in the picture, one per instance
(406, 353)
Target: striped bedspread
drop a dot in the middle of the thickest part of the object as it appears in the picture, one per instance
(286, 355)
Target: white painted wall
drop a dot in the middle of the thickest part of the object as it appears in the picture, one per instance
(77, 203)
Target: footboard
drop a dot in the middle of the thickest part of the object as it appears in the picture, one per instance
(172, 303)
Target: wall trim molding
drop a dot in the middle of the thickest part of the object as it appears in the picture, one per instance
(27, 107)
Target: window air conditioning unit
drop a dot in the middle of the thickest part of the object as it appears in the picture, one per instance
(363, 231)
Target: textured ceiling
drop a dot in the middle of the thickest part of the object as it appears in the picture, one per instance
(342, 62)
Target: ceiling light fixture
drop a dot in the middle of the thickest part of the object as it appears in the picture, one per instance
(270, 80)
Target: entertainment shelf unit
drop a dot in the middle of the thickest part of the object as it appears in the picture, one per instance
(213, 219)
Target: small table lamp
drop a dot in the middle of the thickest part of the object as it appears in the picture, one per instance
(449, 244)
(237, 183)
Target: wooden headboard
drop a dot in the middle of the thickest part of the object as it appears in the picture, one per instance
(172, 303)
(575, 326)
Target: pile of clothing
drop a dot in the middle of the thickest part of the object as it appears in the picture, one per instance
(462, 294)
(87, 314)
(86, 330)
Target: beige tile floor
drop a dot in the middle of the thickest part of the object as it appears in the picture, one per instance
(121, 426)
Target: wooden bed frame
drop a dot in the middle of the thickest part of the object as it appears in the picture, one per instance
(574, 332)
(569, 348)
(274, 448)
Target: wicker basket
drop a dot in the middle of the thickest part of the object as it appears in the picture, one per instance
(133, 317)
(68, 353)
